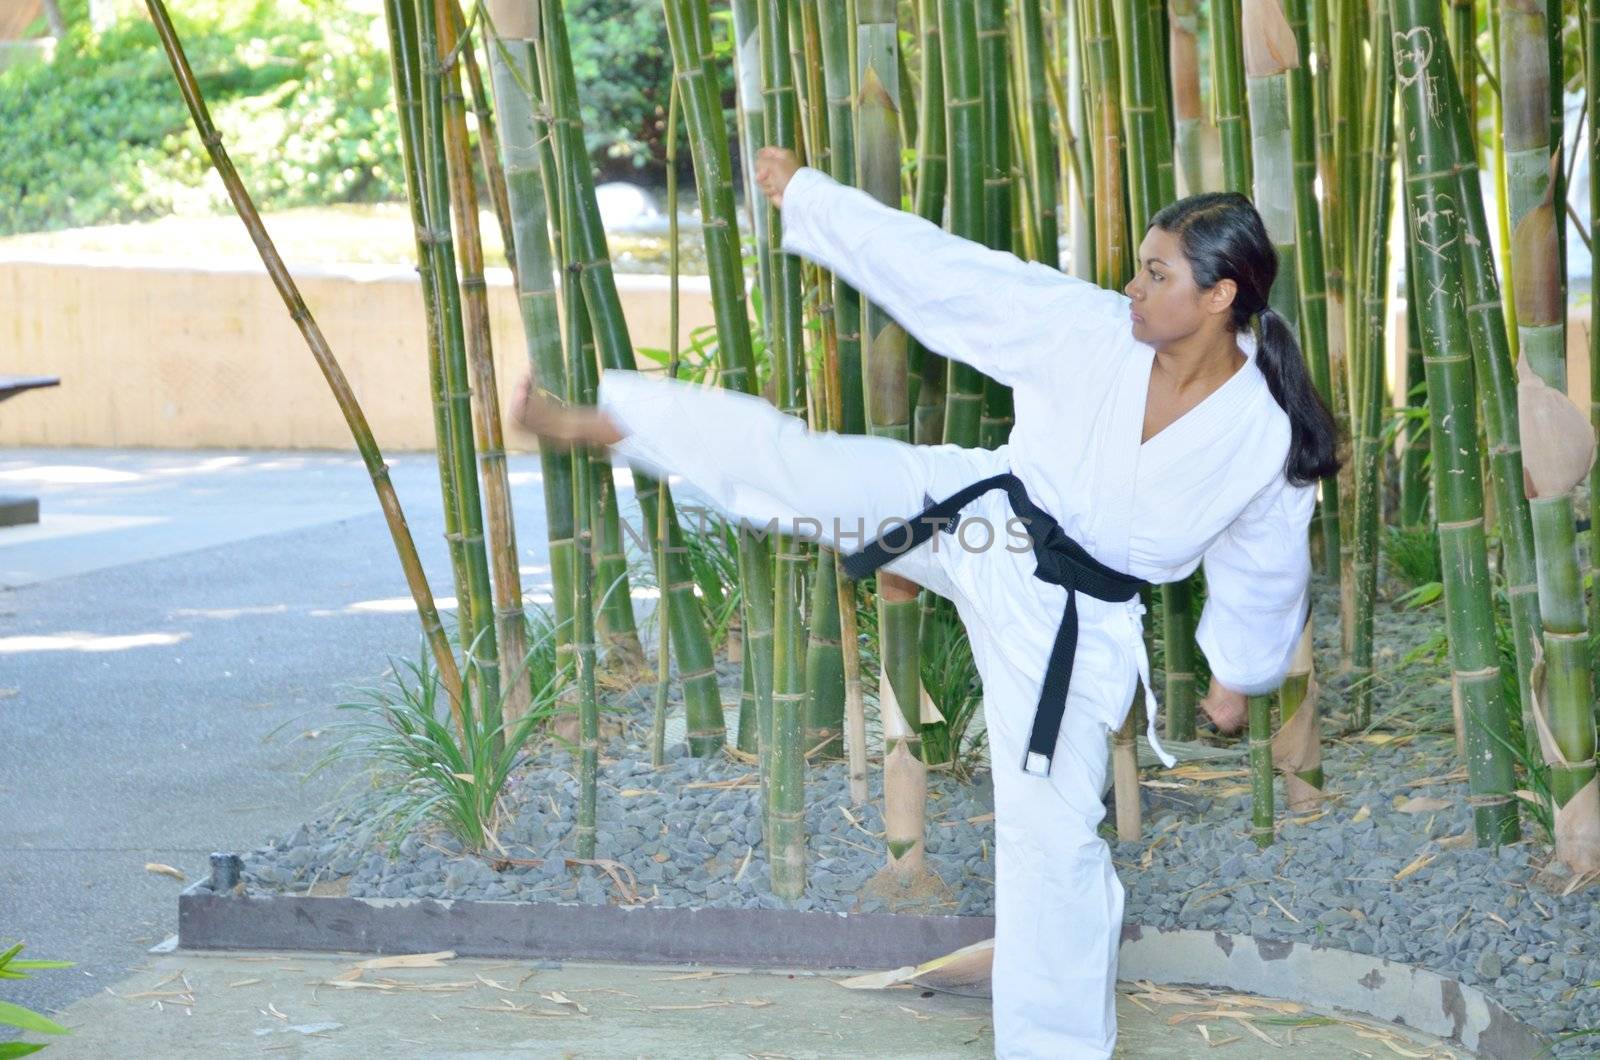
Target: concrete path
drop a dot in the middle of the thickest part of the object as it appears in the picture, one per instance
(174, 635)
(305, 1005)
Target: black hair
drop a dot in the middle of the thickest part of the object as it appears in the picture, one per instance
(1223, 238)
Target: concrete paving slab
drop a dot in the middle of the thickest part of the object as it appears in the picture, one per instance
(316, 1005)
(173, 640)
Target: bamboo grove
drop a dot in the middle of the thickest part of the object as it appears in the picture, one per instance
(1053, 129)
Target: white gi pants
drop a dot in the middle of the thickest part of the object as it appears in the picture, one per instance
(1058, 902)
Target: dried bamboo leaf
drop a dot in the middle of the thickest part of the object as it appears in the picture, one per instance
(408, 960)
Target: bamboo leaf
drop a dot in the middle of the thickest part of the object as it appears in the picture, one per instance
(17, 1016)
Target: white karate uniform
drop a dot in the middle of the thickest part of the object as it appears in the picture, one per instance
(1209, 488)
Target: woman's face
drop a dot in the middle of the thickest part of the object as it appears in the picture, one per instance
(1167, 306)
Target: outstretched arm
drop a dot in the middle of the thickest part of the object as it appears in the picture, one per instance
(1003, 316)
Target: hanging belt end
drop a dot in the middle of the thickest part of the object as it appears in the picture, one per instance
(1035, 763)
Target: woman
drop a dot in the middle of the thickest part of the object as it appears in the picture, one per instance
(1142, 427)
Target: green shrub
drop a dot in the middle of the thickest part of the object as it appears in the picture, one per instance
(423, 770)
(299, 90)
(624, 71)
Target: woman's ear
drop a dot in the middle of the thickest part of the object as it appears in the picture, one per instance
(1220, 298)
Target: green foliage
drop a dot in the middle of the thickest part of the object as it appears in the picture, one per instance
(15, 1015)
(424, 770)
(299, 91)
(624, 70)
(1413, 555)
(950, 675)
(711, 545)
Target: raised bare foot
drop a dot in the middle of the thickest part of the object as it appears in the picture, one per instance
(562, 426)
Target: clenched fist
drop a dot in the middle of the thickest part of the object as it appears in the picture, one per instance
(774, 167)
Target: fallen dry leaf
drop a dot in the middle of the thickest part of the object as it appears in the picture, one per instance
(1422, 804)
(158, 869)
(561, 999)
(691, 975)
(407, 960)
(1418, 865)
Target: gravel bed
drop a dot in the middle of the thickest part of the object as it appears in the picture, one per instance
(690, 835)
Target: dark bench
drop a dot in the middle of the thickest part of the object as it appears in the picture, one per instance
(19, 511)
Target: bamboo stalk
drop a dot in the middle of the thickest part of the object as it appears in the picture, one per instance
(592, 268)
(1151, 182)
(1262, 813)
(1497, 386)
(1342, 221)
(1371, 348)
(1184, 44)
(1111, 245)
(475, 608)
(406, 66)
(1228, 94)
(996, 413)
(1421, 67)
(1079, 150)
(747, 78)
(288, 290)
(488, 140)
(1301, 759)
(835, 30)
(1413, 476)
(1464, 51)
(1525, 87)
(1502, 192)
(658, 728)
(1568, 713)
(736, 359)
(584, 832)
(1591, 69)
(1040, 152)
(508, 621)
(958, 39)
(927, 368)
(786, 777)
(889, 415)
(512, 73)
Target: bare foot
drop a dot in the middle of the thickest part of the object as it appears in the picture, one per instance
(562, 426)
(774, 167)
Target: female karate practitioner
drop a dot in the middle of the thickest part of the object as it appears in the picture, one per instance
(1142, 427)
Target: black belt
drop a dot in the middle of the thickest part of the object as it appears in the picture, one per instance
(1061, 561)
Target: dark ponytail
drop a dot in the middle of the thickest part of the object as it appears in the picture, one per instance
(1223, 238)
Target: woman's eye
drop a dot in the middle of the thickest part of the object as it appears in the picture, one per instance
(1156, 276)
